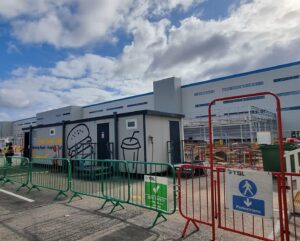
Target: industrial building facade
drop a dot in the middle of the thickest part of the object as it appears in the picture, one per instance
(192, 100)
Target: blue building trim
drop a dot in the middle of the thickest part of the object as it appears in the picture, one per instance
(243, 74)
(126, 98)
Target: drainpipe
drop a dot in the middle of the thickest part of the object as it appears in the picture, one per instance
(63, 151)
(30, 143)
(116, 127)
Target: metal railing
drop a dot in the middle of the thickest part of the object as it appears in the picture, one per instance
(194, 190)
(153, 187)
(16, 170)
(2, 168)
(146, 185)
(50, 173)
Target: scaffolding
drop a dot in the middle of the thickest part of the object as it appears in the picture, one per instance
(239, 126)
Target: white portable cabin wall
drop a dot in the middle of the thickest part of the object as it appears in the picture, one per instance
(158, 127)
(62, 139)
(148, 125)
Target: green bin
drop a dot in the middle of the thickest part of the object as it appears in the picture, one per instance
(270, 156)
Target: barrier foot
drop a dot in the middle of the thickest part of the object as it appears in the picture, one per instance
(6, 181)
(33, 186)
(103, 205)
(74, 195)
(159, 214)
(106, 201)
(116, 205)
(60, 193)
(23, 185)
(187, 225)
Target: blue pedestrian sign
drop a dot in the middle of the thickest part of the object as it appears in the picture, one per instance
(245, 202)
(249, 192)
(247, 188)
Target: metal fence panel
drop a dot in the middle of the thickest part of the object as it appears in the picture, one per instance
(17, 171)
(115, 185)
(100, 178)
(50, 173)
(293, 199)
(144, 184)
(2, 168)
(152, 186)
(194, 195)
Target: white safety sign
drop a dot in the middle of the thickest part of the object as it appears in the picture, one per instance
(249, 192)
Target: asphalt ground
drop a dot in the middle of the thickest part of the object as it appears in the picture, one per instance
(45, 219)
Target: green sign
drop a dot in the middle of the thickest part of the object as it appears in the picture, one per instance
(156, 192)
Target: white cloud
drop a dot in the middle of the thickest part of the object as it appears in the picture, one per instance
(14, 98)
(15, 8)
(47, 29)
(254, 35)
(58, 25)
(67, 23)
(82, 66)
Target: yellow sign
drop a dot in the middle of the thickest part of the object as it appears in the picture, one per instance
(49, 141)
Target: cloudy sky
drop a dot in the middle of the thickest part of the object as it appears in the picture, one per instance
(56, 53)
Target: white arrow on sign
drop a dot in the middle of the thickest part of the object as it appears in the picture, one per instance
(248, 203)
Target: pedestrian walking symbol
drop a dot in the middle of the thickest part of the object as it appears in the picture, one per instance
(247, 202)
(247, 188)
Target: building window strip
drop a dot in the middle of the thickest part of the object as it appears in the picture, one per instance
(286, 78)
(243, 86)
(115, 108)
(206, 92)
(202, 105)
(95, 111)
(204, 116)
(290, 108)
(137, 104)
(296, 92)
(244, 99)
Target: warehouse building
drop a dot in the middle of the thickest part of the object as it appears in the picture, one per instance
(243, 117)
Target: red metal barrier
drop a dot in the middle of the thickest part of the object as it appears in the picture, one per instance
(283, 215)
(196, 199)
(194, 202)
(292, 191)
(194, 195)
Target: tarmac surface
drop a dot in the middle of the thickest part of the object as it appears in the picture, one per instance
(48, 220)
